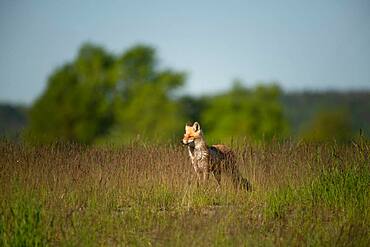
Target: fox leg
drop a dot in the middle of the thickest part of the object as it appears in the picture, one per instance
(217, 175)
(236, 177)
(205, 176)
(199, 176)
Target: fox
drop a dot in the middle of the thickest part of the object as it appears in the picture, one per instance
(213, 159)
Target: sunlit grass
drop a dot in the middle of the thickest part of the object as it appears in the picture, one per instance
(68, 194)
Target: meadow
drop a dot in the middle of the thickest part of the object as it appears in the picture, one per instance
(304, 194)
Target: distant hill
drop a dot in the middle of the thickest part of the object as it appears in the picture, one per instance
(301, 107)
(13, 119)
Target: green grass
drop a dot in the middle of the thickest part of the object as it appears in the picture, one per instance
(22, 222)
(72, 195)
(347, 191)
(331, 208)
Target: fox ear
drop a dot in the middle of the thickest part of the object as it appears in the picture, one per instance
(188, 125)
(196, 126)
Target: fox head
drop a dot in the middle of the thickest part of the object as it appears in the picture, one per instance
(192, 132)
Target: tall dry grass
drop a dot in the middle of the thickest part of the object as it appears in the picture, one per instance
(70, 194)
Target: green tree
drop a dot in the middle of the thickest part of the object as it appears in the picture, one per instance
(99, 96)
(146, 108)
(75, 105)
(329, 125)
(253, 113)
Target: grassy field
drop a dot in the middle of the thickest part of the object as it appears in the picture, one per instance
(73, 195)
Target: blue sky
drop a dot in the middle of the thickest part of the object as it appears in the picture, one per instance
(301, 44)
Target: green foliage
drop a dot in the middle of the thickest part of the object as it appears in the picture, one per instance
(193, 107)
(99, 96)
(329, 125)
(137, 66)
(145, 109)
(150, 114)
(76, 105)
(254, 113)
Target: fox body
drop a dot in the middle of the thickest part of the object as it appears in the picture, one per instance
(213, 159)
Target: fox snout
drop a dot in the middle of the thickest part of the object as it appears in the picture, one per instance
(189, 143)
(185, 142)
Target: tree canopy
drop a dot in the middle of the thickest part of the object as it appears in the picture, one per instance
(99, 95)
(253, 113)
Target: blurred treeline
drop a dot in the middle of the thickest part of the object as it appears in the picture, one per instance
(100, 97)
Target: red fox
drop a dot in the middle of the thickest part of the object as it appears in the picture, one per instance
(211, 159)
